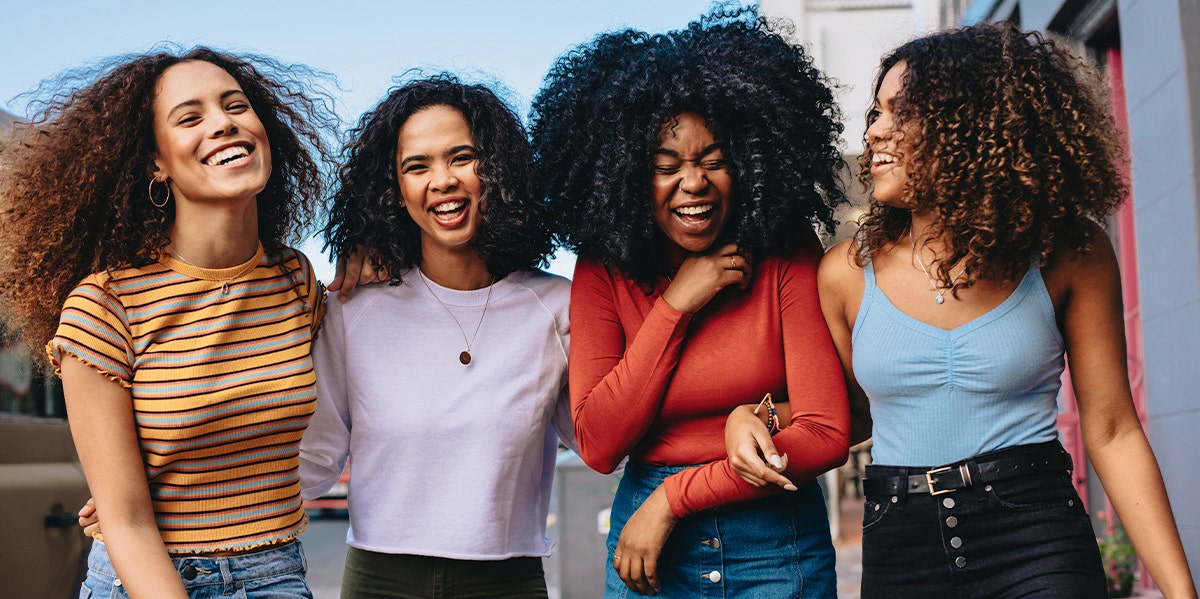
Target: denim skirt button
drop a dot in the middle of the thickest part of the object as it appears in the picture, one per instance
(948, 502)
(713, 576)
(960, 561)
(956, 542)
(951, 521)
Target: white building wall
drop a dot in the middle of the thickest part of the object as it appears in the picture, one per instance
(847, 38)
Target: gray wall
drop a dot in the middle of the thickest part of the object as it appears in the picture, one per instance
(1161, 53)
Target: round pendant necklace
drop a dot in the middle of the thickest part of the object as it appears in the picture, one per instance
(465, 355)
(940, 291)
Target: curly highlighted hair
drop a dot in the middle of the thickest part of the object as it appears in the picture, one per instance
(74, 179)
(598, 117)
(1016, 150)
(366, 206)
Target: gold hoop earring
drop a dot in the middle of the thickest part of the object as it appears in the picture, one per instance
(150, 192)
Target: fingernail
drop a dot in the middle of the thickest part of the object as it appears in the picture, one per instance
(776, 462)
(790, 487)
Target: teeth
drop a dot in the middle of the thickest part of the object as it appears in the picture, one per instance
(883, 159)
(449, 207)
(227, 155)
(694, 210)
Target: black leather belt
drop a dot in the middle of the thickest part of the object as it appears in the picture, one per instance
(984, 469)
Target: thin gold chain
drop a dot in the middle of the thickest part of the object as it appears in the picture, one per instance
(421, 274)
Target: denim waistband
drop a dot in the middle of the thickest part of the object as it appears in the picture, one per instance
(284, 558)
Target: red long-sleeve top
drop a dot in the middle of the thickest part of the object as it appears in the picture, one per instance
(657, 384)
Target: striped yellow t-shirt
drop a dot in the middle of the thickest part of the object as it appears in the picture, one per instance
(218, 365)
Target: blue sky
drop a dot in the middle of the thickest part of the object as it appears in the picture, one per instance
(364, 44)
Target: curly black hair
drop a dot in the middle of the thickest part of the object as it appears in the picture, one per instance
(597, 119)
(74, 179)
(366, 206)
(1017, 150)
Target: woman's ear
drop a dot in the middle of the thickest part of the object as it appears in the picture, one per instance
(155, 171)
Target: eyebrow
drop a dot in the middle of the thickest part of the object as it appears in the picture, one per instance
(450, 152)
(672, 153)
(196, 102)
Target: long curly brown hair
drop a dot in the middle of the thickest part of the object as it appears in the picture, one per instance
(1017, 151)
(74, 178)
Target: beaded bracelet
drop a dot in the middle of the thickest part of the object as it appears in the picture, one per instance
(772, 415)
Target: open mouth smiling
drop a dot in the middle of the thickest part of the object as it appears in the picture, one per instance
(229, 155)
(695, 212)
(449, 210)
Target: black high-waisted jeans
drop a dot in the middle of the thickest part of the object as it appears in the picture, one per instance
(1027, 536)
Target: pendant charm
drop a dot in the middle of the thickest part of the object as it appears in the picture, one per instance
(465, 357)
(939, 299)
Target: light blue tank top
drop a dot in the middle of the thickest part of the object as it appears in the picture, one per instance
(940, 396)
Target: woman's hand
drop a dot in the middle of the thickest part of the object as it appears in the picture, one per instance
(641, 543)
(356, 269)
(89, 520)
(702, 276)
(751, 452)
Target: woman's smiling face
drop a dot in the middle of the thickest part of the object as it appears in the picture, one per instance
(692, 187)
(890, 145)
(211, 146)
(435, 169)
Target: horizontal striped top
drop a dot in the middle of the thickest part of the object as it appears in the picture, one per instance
(218, 366)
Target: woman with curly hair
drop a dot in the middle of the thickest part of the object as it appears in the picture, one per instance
(687, 170)
(447, 388)
(146, 215)
(994, 160)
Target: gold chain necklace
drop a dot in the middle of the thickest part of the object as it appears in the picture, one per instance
(224, 282)
(941, 292)
(465, 355)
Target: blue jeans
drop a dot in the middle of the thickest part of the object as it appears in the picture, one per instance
(1025, 537)
(275, 573)
(774, 547)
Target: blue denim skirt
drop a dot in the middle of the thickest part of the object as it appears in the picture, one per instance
(275, 573)
(774, 547)
(1026, 536)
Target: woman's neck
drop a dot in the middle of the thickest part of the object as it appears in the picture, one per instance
(215, 237)
(920, 229)
(459, 270)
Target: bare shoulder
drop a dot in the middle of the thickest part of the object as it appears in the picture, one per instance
(1069, 269)
(838, 267)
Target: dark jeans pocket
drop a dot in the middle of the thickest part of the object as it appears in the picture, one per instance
(1034, 492)
(875, 509)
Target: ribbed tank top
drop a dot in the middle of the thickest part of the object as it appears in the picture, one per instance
(938, 396)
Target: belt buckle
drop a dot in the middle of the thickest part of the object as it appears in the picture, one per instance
(929, 481)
